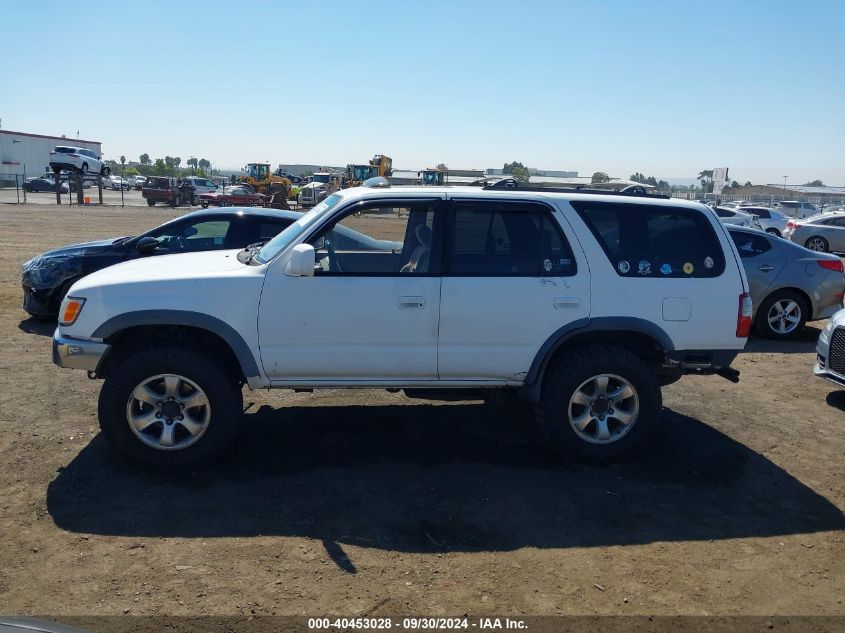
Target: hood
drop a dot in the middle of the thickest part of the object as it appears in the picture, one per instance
(163, 268)
(80, 249)
(53, 267)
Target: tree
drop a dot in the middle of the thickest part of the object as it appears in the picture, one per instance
(651, 180)
(747, 184)
(734, 185)
(176, 162)
(145, 159)
(662, 185)
(637, 177)
(204, 164)
(599, 177)
(442, 166)
(517, 170)
(706, 178)
(814, 183)
(192, 162)
(160, 167)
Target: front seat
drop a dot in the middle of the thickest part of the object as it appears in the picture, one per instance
(419, 257)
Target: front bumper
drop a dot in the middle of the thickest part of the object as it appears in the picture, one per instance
(75, 353)
(822, 367)
(36, 302)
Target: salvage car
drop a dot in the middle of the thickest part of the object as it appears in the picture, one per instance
(830, 350)
(584, 304)
(47, 277)
(39, 185)
(790, 284)
(234, 195)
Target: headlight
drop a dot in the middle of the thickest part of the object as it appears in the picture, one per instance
(71, 307)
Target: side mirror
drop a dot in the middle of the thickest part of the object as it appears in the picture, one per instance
(146, 245)
(301, 263)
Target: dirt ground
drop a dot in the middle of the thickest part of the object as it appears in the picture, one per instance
(364, 502)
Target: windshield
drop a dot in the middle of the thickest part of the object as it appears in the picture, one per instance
(283, 239)
(361, 172)
(324, 178)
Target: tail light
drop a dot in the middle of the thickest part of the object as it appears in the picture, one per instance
(743, 316)
(831, 264)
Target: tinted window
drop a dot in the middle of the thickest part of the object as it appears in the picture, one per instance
(654, 241)
(763, 213)
(64, 150)
(749, 244)
(202, 235)
(391, 239)
(838, 222)
(507, 239)
(269, 230)
(722, 213)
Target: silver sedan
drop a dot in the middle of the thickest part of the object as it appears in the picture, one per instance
(790, 284)
(823, 233)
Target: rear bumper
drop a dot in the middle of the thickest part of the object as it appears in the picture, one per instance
(73, 353)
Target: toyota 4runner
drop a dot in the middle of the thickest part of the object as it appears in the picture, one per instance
(583, 304)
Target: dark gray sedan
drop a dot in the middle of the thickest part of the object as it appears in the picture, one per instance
(790, 284)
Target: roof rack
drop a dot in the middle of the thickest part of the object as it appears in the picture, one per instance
(635, 191)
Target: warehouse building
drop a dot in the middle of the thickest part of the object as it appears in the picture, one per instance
(22, 153)
(777, 192)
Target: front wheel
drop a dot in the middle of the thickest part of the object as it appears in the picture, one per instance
(168, 407)
(204, 205)
(599, 403)
(817, 243)
(774, 232)
(151, 203)
(781, 316)
(84, 169)
(106, 171)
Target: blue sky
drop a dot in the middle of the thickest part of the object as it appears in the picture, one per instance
(664, 88)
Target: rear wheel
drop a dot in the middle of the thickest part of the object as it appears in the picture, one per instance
(169, 408)
(151, 203)
(774, 232)
(817, 243)
(782, 315)
(599, 403)
(223, 203)
(84, 168)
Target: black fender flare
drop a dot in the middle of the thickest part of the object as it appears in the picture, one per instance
(186, 318)
(530, 389)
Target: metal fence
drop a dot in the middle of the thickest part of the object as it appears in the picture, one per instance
(727, 196)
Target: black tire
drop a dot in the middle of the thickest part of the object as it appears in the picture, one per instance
(204, 205)
(817, 243)
(768, 330)
(223, 203)
(174, 202)
(59, 295)
(773, 231)
(151, 203)
(106, 171)
(569, 373)
(223, 393)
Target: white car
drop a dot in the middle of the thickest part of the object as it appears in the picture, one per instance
(740, 218)
(583, 303)
(797, 210)
(770, 220)
(202, 185)
(118, 183)
(67, 158)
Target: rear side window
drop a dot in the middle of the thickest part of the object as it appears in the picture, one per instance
(654, 241)
(748, 244)
(763, 213)
(64, 150)
(504, 239)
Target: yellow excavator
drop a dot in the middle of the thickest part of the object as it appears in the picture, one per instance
(379, 165)
(259, 177)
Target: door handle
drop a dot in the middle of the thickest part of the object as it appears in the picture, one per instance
(765, 268)
(411, 302)
(567, 302)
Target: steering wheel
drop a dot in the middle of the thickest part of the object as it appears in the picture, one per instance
(334, 264)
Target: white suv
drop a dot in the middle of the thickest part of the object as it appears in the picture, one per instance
(65, 158)
(201, 185)
(582, 303)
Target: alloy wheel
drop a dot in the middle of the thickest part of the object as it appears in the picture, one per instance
(168, 412)
(603, 409)
(784, 316)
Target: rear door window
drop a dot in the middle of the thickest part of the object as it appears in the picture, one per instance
(506, 239)
(749, 245)
(643, 240)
